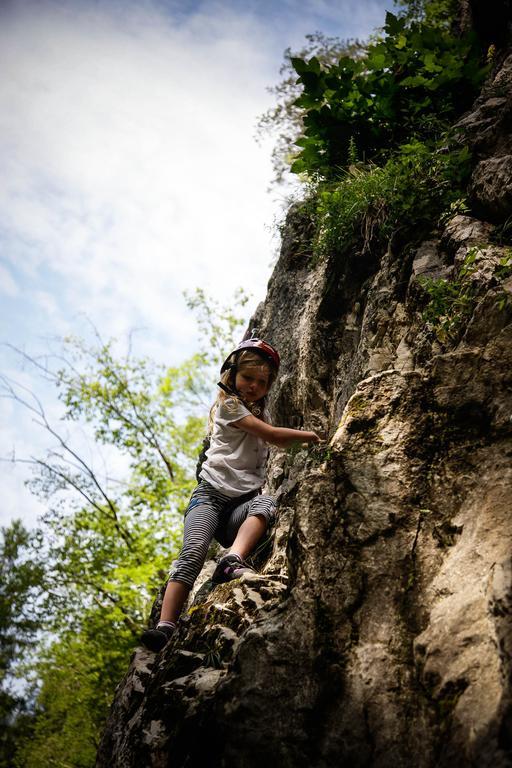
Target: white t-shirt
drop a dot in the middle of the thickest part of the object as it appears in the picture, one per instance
(235, 461)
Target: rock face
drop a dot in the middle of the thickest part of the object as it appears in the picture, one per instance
(379, 630)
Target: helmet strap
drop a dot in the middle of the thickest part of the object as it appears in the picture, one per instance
(227, 390)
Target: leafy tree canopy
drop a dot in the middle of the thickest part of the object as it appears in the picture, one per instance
(79, 589)
(284, 120)
(20, 580)
(413, 81)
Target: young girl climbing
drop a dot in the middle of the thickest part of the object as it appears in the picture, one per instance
(227, 503)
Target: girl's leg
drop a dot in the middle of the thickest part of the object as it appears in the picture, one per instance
(201, 521)
(248, 522)
(249, 533)
(245, 527)
(175, 597)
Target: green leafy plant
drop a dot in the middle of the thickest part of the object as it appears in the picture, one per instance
(504, 269)
(503, 272)
(451, 302)
(457, 207)
(411, 84)
(438, 13)
(369, 202)
(284, 120)
(73, 680)
(319, 454)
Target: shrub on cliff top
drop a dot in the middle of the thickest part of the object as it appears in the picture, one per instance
(411, 85)
(370, 202)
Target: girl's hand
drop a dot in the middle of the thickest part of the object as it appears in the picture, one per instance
(312, 437)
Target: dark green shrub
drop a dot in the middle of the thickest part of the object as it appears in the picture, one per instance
(452, 302)
(411, 85)
(369, 202)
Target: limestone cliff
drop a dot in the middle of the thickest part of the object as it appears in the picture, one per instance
(379, 631)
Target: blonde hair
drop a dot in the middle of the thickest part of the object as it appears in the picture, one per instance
(245, 359)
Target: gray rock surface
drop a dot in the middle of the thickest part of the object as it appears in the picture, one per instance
(379, 629)
(491, 187)
(486, 127)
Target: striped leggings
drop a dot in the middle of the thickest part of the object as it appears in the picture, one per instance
(212, 514)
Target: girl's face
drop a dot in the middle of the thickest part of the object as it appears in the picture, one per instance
(253, 382)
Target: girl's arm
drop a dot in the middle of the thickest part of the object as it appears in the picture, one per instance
(281, 436)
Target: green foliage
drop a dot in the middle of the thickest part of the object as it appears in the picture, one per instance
(129, 402)
(218, 326)
(19, 580)
(412, 83)
(504, 269)
(319, 454)
(437, 13)
(104, 544)
(108, 542)
(78, 674)
(457, 207)
(451, 302)
(370, 202)
(503, 272)
(284, 120)
(87, 577)
(450, 306)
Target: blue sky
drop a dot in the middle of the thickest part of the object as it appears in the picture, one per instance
(130, 172)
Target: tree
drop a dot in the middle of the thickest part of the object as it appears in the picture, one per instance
(75, 677)
(19, 579)
(284, 120)
(436, 13)
(105, 543)
(104, 537)
(411, 85)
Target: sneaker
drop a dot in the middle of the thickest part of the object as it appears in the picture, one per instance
(155, 639)
(228, 568)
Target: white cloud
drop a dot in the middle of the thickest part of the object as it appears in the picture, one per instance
(8, 284)
(135, 174)
(47, 303)
(129, 159)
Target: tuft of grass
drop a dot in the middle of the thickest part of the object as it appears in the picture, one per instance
(410, 192)
(451, 302)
